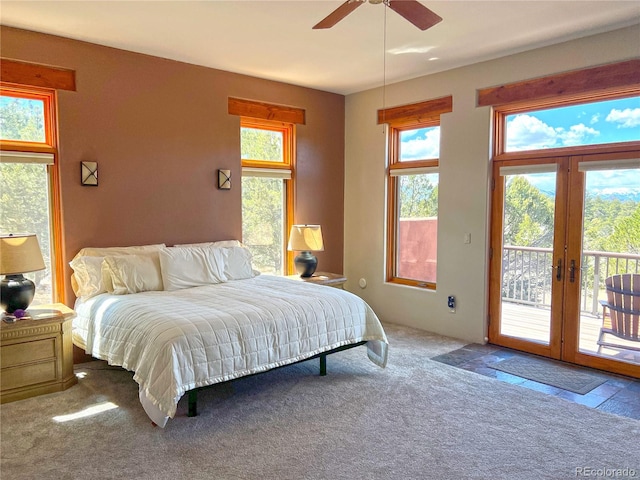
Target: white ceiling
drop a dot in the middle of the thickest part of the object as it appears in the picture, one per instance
(273, 39)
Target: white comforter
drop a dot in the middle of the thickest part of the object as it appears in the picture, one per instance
(176, 341)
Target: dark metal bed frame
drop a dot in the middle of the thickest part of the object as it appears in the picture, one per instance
(193, 394)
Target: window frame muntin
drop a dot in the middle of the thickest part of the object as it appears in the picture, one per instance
(288, 152)
(402, 169)
(50, 98)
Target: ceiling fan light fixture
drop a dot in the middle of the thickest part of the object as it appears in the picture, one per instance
(412, 10)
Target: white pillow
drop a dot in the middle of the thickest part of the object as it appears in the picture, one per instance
(88, 275)
(191, 267)
(220, 244)
(104, 251)
(133, 273)
(237, 265)
(87, 267)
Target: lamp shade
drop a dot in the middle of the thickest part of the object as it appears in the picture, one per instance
(306, 238)
(20, 253)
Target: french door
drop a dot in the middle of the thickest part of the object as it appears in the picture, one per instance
(554, 223)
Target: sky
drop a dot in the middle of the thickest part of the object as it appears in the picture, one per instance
(595, 123)
(588, 124)
(609, 121)
(623, 184)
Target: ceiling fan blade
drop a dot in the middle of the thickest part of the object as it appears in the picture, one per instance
(338, 14)
(415, 12)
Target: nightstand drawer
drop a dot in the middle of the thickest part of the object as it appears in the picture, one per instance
(33, 374)
(27, 352)
(36, 353)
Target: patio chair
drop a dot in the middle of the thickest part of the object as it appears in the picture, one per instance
(623, 304)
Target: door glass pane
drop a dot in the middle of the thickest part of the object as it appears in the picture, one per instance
(611, 254)
(24, 208)
(417, 229)
(22, 119)
(261, 144)
(527, 256)
(263, 222)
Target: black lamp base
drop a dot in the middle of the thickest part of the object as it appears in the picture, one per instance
(16, 293)
(306, 264)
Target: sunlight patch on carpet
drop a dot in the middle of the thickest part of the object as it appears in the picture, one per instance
(87, 412)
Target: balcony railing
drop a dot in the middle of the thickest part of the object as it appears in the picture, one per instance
(528, 273)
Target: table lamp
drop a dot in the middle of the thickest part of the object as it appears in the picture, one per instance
(19, 253)
(306, 239)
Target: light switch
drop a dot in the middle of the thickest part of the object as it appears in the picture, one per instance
(467, 238)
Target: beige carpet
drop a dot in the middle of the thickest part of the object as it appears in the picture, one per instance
(417, 419)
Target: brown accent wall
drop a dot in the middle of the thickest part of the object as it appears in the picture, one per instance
(159, 130)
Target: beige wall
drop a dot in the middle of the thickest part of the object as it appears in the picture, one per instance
(464, 179)
(159, 130)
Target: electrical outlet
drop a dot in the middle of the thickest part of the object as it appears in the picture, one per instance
(451, 303)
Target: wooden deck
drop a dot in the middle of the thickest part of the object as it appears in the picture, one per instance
(532, 323)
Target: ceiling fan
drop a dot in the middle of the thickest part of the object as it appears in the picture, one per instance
(412, 10)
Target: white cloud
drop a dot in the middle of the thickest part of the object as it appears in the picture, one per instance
(526, 132)
(595, 118)
(422, 148)
(627, 118)
(576, 135)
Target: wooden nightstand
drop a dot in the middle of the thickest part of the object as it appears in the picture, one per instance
(36, 353)
(323, 278)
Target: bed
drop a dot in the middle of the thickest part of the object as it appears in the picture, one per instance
(207, 317)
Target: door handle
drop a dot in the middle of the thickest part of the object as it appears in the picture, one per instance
(572, 271)
(559, 270)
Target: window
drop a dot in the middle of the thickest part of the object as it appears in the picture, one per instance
(28, 178)
(413, 205)
(267, 191)
(412, 190)
(593, 123)
(590, 110)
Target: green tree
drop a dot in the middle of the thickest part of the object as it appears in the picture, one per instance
(263, 221)
(262, 201)
(528, 215)
(418, 196)
(21, 119)
(601, 216)
(259, 144)
(626, 234)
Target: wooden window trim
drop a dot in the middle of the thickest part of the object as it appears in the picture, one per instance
(36, 75)
(266, 111)
(407, 117)
(51, 146)
(611, 78)
(288, 131)
(416, 113)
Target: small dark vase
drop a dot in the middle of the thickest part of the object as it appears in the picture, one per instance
(306, 264)
(16, 293)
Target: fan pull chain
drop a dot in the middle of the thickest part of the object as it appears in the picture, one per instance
(384, 70)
